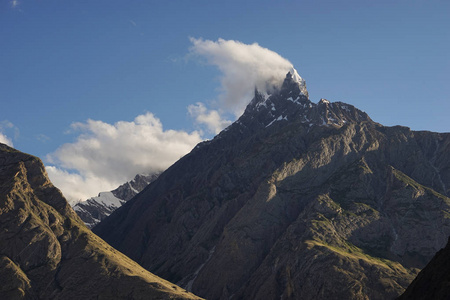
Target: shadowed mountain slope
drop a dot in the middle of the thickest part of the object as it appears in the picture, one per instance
(295, 200)
(433, 282)
(46, 252)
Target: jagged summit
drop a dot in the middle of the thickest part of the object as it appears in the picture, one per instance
(293, 83)
(290, 103)
(292, 77)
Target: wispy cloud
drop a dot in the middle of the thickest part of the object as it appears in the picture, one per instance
(243, 67)
(5, 124)
(212, 119)
(14, 3)
(106, 155)
(42, 138)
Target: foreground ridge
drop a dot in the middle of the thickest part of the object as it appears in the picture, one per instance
(46, 252)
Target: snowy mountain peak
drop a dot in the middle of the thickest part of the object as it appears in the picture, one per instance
(290, 104)
(294, 80)
(294, 75)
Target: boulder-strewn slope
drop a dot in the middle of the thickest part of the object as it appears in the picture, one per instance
(46, 252)
(433, 282)
(95, 209)
(295, 200)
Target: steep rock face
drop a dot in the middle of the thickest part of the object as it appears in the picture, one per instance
(294, 200)
(46, 252)
(95, 209)
(433, 282)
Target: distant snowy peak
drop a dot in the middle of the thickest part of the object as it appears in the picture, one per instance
(129, 189)
(95, 209)
(108, 199)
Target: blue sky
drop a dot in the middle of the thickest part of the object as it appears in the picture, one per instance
(125, 64)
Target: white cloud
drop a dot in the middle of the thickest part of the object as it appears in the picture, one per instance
(106, 155)
(5, 140)
(243, 68)
(6, 125)
(211, 118)
(78, 187)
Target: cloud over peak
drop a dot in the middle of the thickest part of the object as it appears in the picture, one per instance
(105, 155)
(243, 67)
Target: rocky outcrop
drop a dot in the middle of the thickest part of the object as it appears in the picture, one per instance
(433, 282)
(46, 252)
(295, 200)
(95, 209)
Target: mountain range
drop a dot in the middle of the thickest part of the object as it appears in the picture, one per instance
(294, 200)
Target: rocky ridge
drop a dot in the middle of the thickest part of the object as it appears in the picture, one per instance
(95, 209)
(294, 200)
(46, 252)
